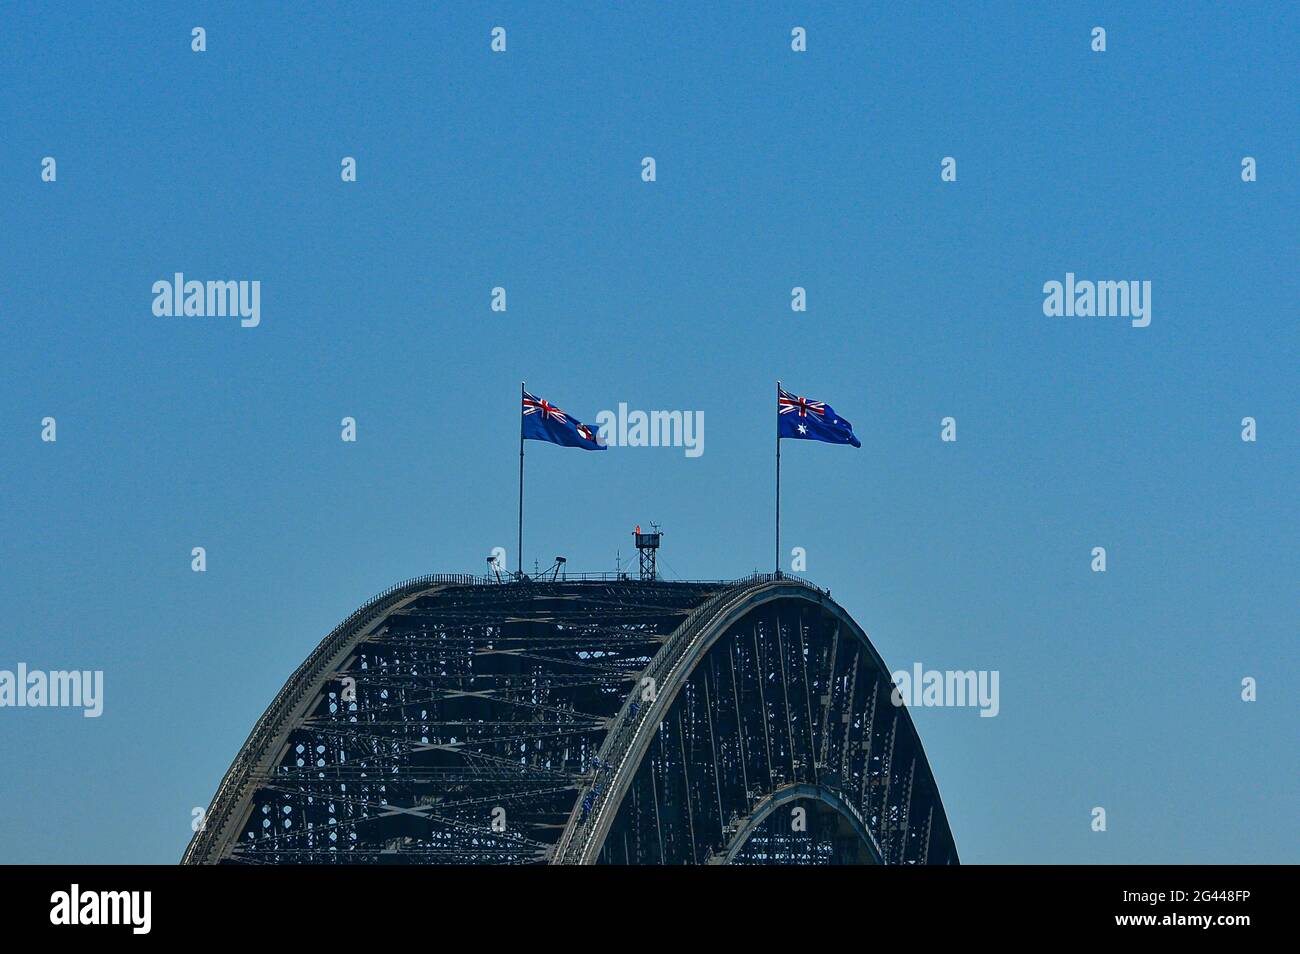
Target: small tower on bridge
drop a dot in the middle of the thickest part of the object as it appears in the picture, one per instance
(647, 544)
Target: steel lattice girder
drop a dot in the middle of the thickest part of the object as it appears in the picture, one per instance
(618, 721)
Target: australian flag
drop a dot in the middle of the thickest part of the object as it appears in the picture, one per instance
(806, 420)
(543, 421)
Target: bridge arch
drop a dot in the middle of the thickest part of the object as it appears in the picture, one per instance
(447, 705)
(762, 652)
(861, 847)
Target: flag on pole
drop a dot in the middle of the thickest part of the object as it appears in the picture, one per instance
(543, 421)
(807, 420)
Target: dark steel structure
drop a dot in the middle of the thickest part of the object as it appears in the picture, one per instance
(584, 721)
(647, 546)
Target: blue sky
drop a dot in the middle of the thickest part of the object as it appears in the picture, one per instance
(774, 170)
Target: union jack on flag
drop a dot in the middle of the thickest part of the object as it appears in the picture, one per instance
(543, 421)
(801, 418)
(534, 405)
(787, 403)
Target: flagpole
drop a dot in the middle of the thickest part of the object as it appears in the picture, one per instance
(519, 554)
(778, 478)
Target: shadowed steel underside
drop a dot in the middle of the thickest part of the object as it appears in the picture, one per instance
(451, 720)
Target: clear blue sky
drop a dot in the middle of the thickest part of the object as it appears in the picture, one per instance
(775, 169)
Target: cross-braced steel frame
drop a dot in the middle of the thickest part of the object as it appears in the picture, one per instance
(596, 721)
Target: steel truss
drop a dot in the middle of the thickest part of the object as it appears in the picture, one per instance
(590, 721)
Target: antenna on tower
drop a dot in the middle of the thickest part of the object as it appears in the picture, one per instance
(647, 544)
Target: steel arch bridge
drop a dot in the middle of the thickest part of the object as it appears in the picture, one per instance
(589, 721)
